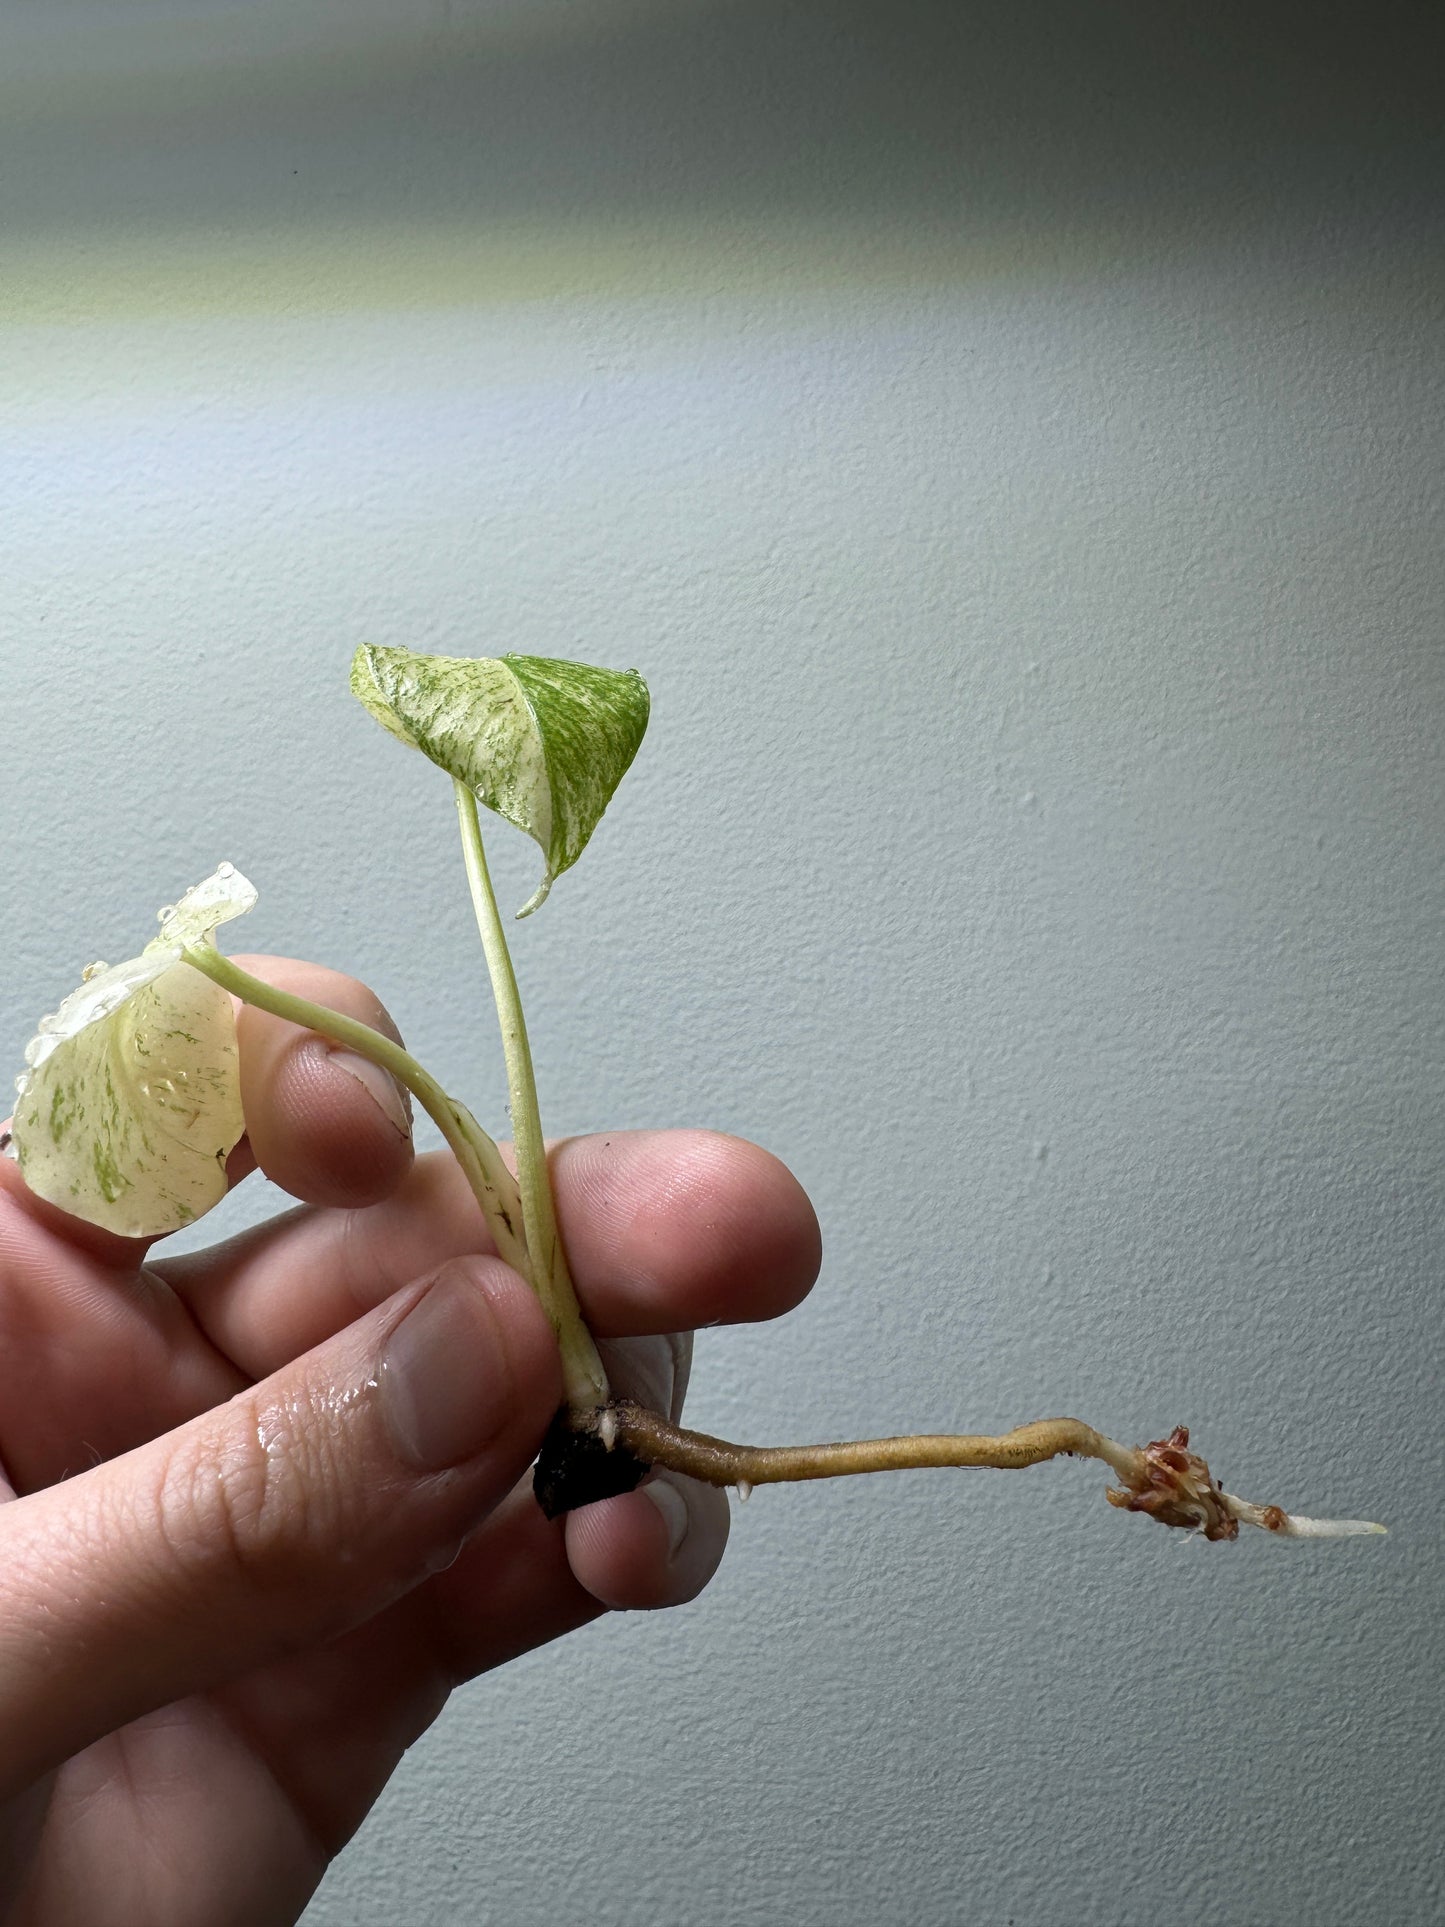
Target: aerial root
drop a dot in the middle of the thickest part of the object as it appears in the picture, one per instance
(1164, 1479)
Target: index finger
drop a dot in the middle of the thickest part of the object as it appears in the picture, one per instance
(326, 1125)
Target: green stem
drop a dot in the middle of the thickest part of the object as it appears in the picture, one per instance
(583, 1374)
(483, 1166)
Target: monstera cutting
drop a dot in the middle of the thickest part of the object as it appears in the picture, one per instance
(130, 1101)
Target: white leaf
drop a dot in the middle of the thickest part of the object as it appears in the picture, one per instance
(130, 1103)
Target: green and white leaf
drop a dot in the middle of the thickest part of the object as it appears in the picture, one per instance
(131, 1101)
(541, 742)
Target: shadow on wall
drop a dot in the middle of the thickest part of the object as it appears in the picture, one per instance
(693, 126)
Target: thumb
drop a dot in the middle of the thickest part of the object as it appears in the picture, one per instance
(299, 1508)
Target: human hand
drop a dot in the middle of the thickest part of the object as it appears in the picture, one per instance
(272, 1498)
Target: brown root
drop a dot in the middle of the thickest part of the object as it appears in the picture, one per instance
(609, 1449)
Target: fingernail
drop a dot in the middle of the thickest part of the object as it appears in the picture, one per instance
(446, 1383)
(673, 1507)
(390, 1099)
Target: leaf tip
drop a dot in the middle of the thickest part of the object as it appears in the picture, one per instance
(538, 897)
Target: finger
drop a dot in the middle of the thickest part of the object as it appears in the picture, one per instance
(325, 1124)
(280, 1519)
(676, 1230)
(657, 1546)
(664, 1230)
(525, 1580)
(95, 1358)
(514, 1587)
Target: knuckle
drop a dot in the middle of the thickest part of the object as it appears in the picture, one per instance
(253, 1507)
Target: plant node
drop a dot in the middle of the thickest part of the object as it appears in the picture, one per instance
(1176, 1487)
(583, 1459)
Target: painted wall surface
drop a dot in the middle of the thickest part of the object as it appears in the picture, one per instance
(1009, 441)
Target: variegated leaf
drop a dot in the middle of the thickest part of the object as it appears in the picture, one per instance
(130, 1103)
(543, 743)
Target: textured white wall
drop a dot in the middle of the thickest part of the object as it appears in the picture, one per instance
(1009, 440)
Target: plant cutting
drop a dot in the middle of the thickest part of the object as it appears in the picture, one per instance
(129, 1105)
